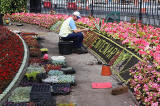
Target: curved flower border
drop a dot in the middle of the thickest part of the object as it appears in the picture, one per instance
(21, 69)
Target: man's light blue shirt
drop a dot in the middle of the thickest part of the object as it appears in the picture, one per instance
(72, 24)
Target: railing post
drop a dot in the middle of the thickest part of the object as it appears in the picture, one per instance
(92, 9)
(140, 11)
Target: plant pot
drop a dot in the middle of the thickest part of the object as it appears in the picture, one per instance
(106, 70)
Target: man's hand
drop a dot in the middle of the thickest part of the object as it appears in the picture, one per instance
(81, 30)
(86, 29)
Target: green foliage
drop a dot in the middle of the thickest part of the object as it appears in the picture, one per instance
(98, 25)
(12, 6)
(133, 20)
(123, 56)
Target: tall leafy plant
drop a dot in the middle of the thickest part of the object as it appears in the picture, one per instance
(11, 6)
(99, 24)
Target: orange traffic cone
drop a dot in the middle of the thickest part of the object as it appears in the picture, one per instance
(106, 71)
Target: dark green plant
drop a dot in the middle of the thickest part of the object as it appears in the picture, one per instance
(98, 25)
(133, 20)
(12, 6)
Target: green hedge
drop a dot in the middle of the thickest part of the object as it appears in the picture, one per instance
(12, 6)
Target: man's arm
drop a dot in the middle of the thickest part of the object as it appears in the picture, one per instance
(80, 30)
(74, 28)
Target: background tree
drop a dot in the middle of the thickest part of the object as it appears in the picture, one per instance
(12, 6)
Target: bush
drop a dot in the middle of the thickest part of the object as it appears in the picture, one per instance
(12, 6)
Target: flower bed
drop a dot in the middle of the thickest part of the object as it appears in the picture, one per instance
(142, 39)
(38, 19)
(11, 55)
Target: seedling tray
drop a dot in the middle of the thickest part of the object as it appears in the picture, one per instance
(19, 104)
(41, 76)
(20, 95)
(61, 89)
(46, 103)
(40, 92)
(16, 104)
(19, 24)
(67, 104)
(49, 67)
(66, 79)
(60, 79)
(41, 88)
(28, 82)
(68, 70)
(55, 73)
(61, 63)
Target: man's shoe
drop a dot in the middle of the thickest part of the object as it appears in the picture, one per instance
(84, 49)
(79, 51)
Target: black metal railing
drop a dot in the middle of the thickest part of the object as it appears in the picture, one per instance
(146, 11)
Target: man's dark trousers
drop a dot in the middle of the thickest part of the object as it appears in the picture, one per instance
(77, 39)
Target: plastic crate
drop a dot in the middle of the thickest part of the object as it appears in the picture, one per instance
(65, 47)
(46, 103)
(41, 76)
(61, 89)
(41, 88)
(40, 92)
(16, 104)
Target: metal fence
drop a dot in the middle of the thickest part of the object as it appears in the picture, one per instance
(146, 11)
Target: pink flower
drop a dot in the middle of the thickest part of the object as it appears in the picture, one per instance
(154, 104)
(125, 41)
(157, 56)
(158, 48)
(142, 52)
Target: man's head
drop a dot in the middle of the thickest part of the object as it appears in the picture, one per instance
(76, 15)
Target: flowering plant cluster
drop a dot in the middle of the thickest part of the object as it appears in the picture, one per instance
(38, 19)
(31, 42)
(145, 83)
(35, 52)
(143, 39)
(49, 67)
(11, 56)
(33, 60)
(33, 45)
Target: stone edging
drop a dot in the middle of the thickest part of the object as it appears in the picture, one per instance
(18, 76)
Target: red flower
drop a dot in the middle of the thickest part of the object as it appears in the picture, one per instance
(11, 56)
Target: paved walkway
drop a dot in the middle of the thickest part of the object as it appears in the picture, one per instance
(82, 94)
